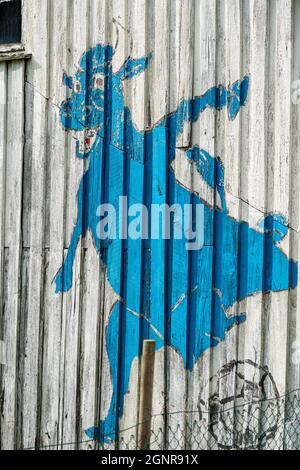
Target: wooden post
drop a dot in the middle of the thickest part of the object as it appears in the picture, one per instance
(146, 394)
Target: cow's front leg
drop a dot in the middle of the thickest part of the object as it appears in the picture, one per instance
(217, 97)
(64, 277)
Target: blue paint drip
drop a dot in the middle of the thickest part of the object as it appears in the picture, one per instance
(235, 262)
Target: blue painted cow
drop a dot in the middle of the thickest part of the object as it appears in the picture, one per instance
(178, 297)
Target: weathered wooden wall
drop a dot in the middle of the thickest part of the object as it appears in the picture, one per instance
(56, 380)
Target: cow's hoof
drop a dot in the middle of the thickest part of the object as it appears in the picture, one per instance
(98, 434)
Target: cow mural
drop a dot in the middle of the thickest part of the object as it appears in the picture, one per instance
(177, 297)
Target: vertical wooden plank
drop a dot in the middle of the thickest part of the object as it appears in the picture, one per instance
(203, 135)
(159, 37)
(135, 45)
(292, 440)
(93, 289)
(13, 241)
(3, 118)
(3, 111)
(114, 186)
(91, 344)
(294, 364)
(33, 206)
(76, 41)
(57, 150)
(70, 358)
(181, 65)
(98, 31)
(159, 106)
(77, 38)
(227, 148)
(278, 189)
(222, 77)
(254, 133)
(178, 282)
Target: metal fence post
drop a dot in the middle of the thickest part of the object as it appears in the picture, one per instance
(146, 394)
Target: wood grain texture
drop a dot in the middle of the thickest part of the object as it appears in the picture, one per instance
(57, 381)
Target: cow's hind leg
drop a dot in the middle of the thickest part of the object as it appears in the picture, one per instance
(207, 334)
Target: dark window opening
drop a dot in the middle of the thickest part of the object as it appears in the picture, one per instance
(10, 21)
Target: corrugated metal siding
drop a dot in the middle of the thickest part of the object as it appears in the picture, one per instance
(56, 382)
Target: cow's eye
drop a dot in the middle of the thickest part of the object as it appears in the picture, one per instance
(77, 87)
(99, 81)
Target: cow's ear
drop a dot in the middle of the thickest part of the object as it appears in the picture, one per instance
(133, 67)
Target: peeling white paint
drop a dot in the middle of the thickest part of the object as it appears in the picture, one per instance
(2, 353)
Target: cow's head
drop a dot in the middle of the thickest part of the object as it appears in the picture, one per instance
(96, 94)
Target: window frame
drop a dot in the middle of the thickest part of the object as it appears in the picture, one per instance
(18, 50)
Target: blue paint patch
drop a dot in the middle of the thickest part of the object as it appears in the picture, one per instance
(238, 97)
(275, 225)
(68, 81)
(179, 298)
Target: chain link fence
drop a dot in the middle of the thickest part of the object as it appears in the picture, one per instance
(272, 424)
